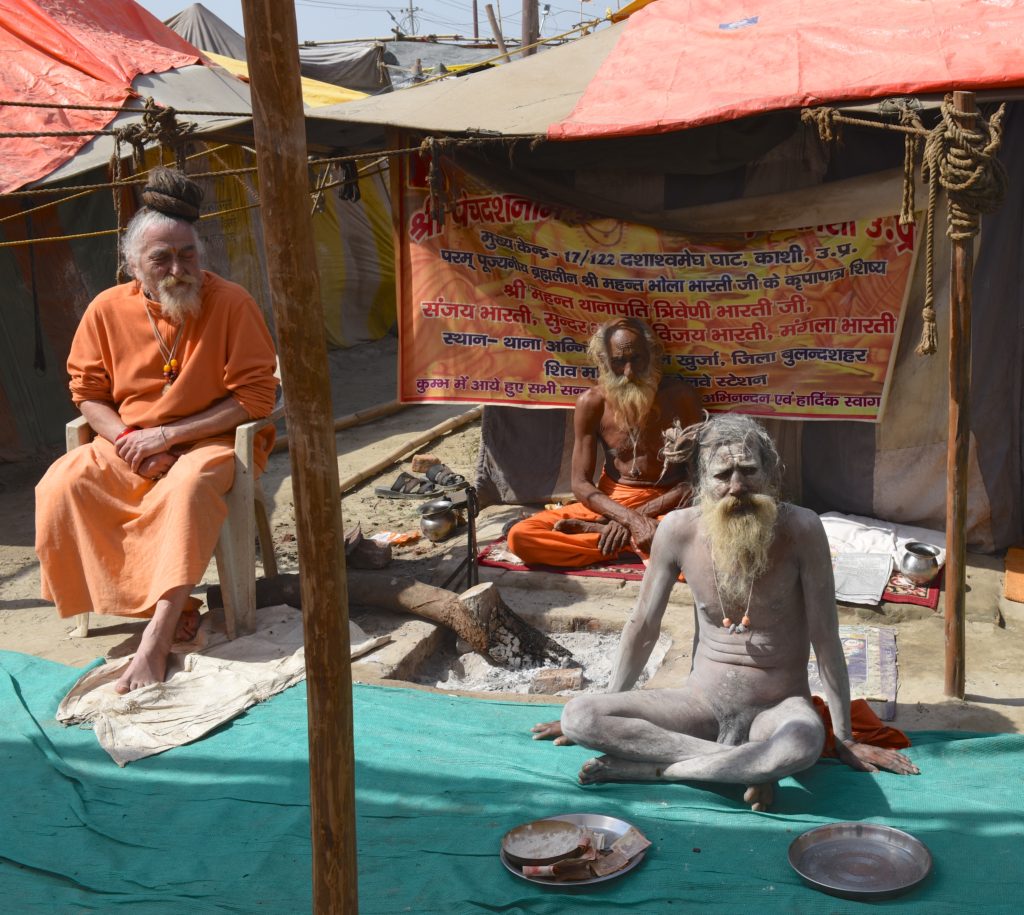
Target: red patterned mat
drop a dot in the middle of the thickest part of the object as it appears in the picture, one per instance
(627, 566)
(901, 590)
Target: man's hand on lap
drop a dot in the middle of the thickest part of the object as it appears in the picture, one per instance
(642, 530)
(614, 539)
(154, 467)
(866, 758)
(140, 444)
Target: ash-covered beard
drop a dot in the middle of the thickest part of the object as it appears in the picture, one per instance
(181, 297)
(740, 532)
(630, 400)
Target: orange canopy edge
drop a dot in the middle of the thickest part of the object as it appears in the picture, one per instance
(683, 63)
(61, 53)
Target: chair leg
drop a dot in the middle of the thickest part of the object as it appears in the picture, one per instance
(236, 563)
(266, 538)
(82, 625)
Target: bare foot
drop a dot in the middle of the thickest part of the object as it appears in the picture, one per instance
(612, 769)
(760, 797)
(188, 625)
(147, 667)
(576, 526)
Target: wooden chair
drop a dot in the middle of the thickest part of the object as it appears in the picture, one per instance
(247, 517)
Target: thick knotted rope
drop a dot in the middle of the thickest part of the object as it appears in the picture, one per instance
(963, 162)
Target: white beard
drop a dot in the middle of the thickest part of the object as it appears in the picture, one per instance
(630, 401)
(740, 533)
(180, 298)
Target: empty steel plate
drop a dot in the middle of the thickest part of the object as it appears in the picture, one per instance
(860, 860)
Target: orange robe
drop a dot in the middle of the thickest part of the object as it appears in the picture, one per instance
(535, 542)
(108, 539)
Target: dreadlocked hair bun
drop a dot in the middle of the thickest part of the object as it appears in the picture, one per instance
(171, 193)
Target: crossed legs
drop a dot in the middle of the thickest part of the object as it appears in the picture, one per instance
(671, 735)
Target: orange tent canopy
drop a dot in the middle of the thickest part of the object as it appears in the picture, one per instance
(61, 53)
(682, 63)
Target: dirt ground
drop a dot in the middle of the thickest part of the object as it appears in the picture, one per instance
(364, 376)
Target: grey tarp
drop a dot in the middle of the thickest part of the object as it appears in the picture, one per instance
(206, 30)
(355, 65)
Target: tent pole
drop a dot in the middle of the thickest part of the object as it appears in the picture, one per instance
(496, 29)
(279, 129)
(958, 442)
(531, 26)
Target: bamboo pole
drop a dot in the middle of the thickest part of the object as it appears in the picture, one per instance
(958, 442)
(396, 454)
(496, 28)
(350, 420)
(279, 130)
(531, 27)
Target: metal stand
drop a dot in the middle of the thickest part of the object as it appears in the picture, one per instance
(466, 500)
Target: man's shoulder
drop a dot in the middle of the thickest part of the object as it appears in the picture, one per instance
(799, 520)
(216, 285)
(684, 398)
(591, 399)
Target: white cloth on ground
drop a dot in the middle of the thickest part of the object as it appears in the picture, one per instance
(859, 534)
(203, 688)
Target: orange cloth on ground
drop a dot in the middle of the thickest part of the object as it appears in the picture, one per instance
(535, 542)
(109, 540)
(867, 727)
(1013, 579)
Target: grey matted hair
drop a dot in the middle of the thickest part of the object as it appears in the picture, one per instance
(696, 444)
(170, 198)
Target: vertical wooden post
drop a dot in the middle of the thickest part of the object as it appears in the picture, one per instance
(962, 273)
(496, 28)
(279, 127)
(476, 23)
(531, 26)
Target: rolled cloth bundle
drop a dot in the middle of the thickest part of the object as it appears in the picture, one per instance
(171, 193)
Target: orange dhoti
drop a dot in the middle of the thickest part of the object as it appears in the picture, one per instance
(111, 541)
(535, 541)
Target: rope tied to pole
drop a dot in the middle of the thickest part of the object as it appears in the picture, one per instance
(435, 180)
(824, 119)
(963, 162)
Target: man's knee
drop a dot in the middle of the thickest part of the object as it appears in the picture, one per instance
(579, 718)
(523, 536)
(796, 745)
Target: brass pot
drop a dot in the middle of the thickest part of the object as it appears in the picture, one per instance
(438, 520)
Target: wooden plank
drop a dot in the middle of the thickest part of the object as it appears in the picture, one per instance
(279, 129)
(958, 443)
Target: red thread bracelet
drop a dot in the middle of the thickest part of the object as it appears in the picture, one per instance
(125, 431)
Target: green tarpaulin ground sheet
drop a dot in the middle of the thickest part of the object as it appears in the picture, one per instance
(223, 825)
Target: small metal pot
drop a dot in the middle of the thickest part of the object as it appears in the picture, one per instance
(438, 520)
(920, 562)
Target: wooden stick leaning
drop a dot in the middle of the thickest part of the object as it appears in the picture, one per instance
(449, 425)
(350, 420)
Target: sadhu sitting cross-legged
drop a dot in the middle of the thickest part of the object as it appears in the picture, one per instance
(761, 577)
(626, 413)
(163, 368)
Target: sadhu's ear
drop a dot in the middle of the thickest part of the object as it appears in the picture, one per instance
(681, 443)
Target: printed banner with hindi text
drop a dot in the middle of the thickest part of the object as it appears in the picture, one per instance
(503, 293)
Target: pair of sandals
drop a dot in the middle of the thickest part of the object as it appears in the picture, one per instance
(437, 480)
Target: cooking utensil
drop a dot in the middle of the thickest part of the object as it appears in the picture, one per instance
(860, 860)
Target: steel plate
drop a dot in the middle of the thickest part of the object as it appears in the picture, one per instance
(860, 860)
(612, 829)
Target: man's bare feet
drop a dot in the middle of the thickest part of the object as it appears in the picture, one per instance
(760, 797)
(612, 769)
(577, 526)
(188, 625)
(551, 730)
(147, 667)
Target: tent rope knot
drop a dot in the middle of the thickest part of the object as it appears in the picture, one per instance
(963, 161)
(436, 181)
(824, 119)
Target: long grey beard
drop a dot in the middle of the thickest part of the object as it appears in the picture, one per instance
(740, 534)
(630, 401)
(179, 299)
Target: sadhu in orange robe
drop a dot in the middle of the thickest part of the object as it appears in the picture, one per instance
(535, 541)
(109, 540)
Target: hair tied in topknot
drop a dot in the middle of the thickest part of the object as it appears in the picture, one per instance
(171, 193)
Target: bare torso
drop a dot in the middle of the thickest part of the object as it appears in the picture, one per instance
(639, 464)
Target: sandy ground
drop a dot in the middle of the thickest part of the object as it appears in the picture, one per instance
(364, 376)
